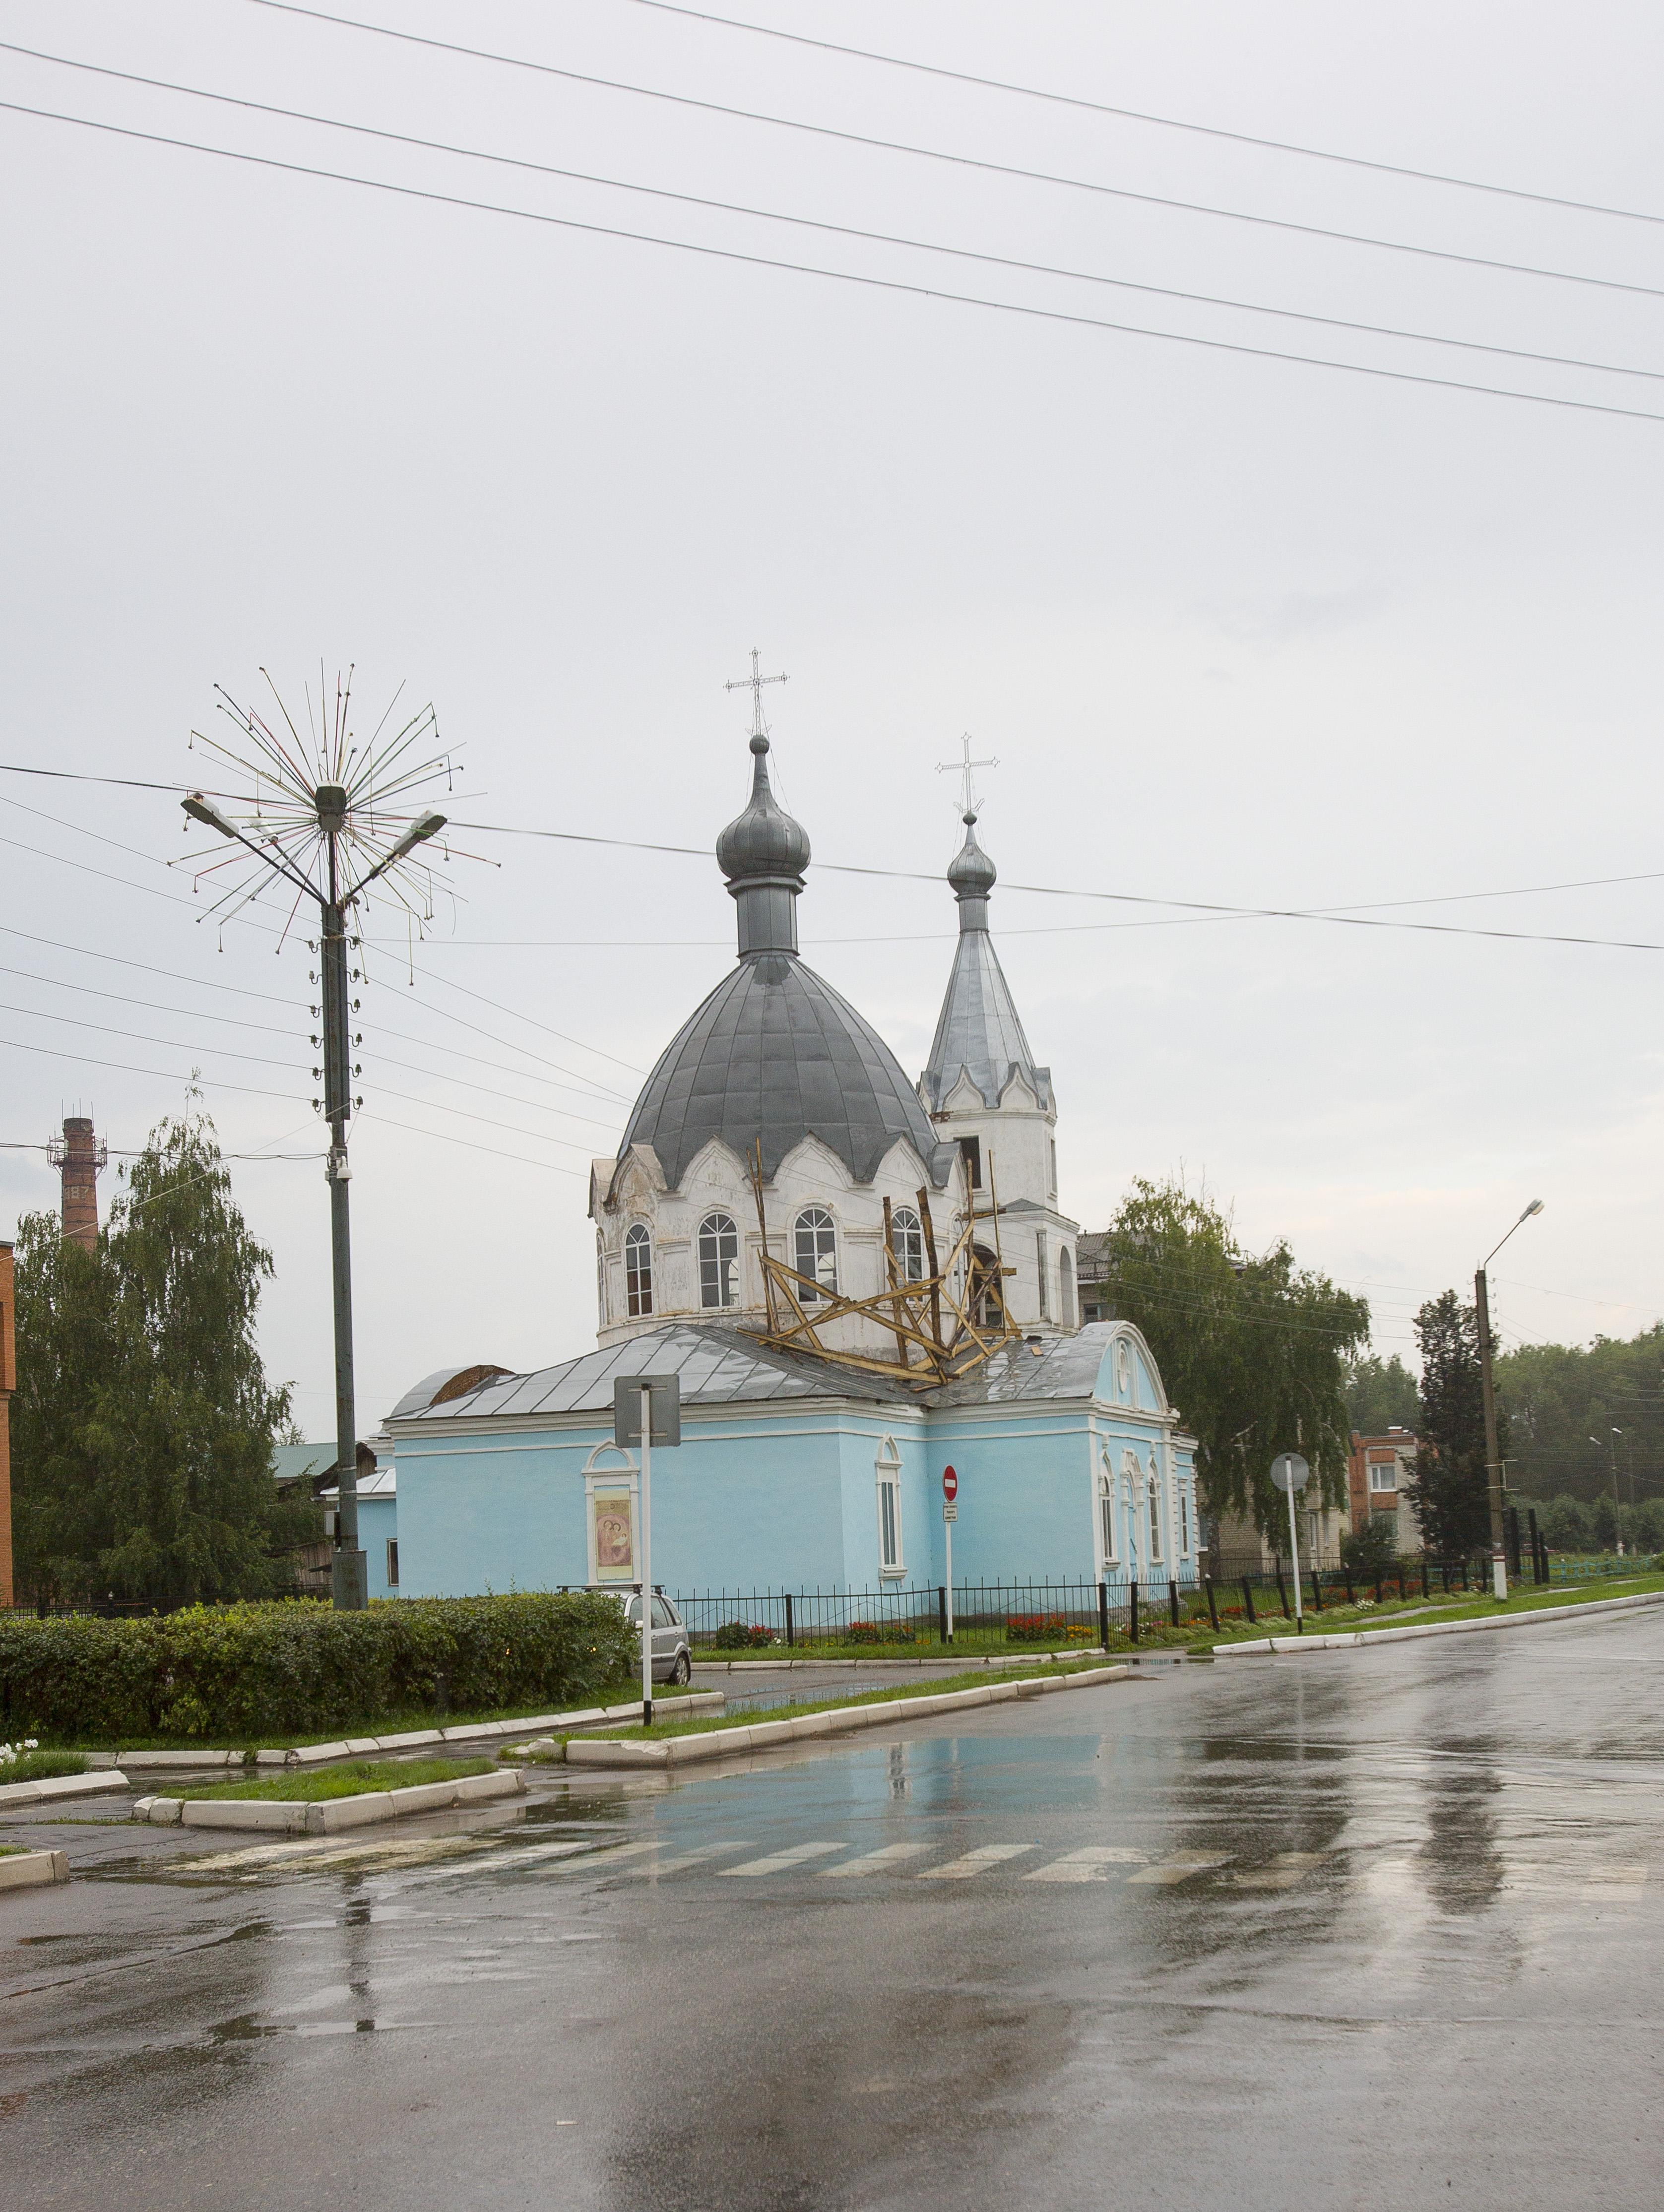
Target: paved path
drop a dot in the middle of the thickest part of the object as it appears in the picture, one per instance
(1348, 1928)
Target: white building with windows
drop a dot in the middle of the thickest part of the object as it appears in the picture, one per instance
(777, 1121)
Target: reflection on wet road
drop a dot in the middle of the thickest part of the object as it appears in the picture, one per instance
(1304, 1931)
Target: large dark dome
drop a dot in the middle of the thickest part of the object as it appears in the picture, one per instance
(775, 1055)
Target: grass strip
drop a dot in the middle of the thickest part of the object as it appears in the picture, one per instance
(899, 1693)
(611, 1693)
(1459, 1606)
(349, 1781)
(42, 1766)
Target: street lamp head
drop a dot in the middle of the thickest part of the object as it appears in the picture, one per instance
(203, 810)
(425, 826)
(331, 799)
(1535, 1206)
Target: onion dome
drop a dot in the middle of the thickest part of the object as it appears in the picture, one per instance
(973, 876)
(980, 1033)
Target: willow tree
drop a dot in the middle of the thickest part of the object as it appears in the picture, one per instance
(145, 1423)
(1253, 1349)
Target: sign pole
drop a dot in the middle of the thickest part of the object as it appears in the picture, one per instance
(646, 1556)
(947, 1526)
(1290, 1474)
(1294, 1541)
(949, 1514)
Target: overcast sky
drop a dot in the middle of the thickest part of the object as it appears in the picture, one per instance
(1238, 630)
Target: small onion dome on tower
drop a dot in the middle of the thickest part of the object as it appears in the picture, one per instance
(764, 854)
(973, 876)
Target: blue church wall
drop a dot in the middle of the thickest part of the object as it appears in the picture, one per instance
(378, 1525)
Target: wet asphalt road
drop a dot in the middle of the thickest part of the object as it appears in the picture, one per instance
(1363, 1929)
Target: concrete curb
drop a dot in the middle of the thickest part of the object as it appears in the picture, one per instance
(366, 1747)
(1350, 1640)
(334, 1813)
(33, 1870)
(62, 1785)
(765, 1736)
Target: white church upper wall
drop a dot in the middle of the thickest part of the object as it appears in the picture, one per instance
(1127, 1376)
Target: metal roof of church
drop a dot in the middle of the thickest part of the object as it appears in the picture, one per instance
(775, 1055)
(723, 1366)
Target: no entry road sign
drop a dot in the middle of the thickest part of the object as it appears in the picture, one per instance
(949, 1485)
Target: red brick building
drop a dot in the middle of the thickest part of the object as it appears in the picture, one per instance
(1376, 1473)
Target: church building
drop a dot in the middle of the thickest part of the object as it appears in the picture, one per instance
(859, 1281)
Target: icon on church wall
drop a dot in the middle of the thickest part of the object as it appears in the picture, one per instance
(614, 1532)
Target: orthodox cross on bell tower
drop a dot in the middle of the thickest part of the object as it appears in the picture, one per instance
(968, 802)
(754, 684)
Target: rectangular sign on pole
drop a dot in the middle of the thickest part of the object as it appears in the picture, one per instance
(665, 1393)
(950, 1512)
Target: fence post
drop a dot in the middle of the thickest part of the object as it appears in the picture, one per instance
(1212, 1609)
(942, 1611)
(1172, 1603)
(1283, 1594)
(1377, 1589)
(1444, 1572)
(1103, 1614)
(791, 1636)
(1536, 1544)
(1248, 1599)
(1133, 1629)
(1424, 1574)
(1350, 1599)
(1464, 1571)
(1317, 1591)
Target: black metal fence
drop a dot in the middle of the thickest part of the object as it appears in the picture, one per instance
(1040, 1615)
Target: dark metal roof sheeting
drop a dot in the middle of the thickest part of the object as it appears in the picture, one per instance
(775, 1054)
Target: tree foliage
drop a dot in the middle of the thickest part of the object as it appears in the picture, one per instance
(1253, 1349)
(1559, 1396)
(143, 1423)
(1450, 1489)
(1381, 1394)
(1371, 1550)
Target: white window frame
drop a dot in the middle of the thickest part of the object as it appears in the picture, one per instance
(1065, 1289)
(392, 1563)
(1184, 1521)
(601, 1276)
(887, 1485)
(1383, 1475)
(638, 1303)
(716, 1230)
(1153, 1500)
(1108, 1519)
(1044, 1287)
(907, 1241)
(816, 1222)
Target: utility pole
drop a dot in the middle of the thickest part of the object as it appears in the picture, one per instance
(1493, 1461)
(306, 831)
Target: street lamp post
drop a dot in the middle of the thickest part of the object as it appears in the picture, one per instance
(1493, 1464)
(308, 838)
(1617, 1504)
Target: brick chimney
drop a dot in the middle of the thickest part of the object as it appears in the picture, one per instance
(79, 1156)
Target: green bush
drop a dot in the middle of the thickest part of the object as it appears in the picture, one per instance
(876, 1631)
(739, 1636)
(224, 1673)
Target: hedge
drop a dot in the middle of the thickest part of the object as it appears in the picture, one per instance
(226, 1673)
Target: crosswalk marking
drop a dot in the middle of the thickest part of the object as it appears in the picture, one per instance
(695, 1857)
(783, 1861)
(1087, 1864)
(873, 1861)
(974, 1862)
(1180, 1865)
(1287, 1868)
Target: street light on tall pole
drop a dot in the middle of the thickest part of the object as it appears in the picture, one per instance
(1493, 1463)
(1617, 1505)
(330, 817)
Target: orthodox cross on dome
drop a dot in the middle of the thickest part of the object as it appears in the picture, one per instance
(754, 684)
(968, 802)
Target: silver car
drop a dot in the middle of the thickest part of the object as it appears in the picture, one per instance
(672, 1655)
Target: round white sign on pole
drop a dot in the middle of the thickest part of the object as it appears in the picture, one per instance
(1290, 1472)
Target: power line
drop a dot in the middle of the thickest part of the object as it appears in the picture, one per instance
(439, 1137)
(1164, 121)
(935, 154)
(1204, 907)
(125, 1067)
(86, 952)
(1058, 315)
(837, 229)
(151, 1006)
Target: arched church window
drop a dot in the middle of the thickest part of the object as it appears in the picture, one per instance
(637, 1271)
(906, 1240)
(1065, 1289)
(1106, 1515)
(601, 1279)
(816, 1243)
(719, 1261)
